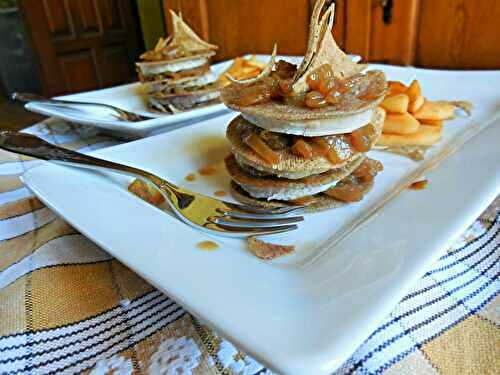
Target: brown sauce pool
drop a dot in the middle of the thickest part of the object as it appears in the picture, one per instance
(419, 185)
(207, 245)
(207, 170)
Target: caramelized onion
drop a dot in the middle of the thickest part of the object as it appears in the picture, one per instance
(285, 86)
(315, 99)
(254, 94)
(303, 149)
(274, 140)
(361, 138)
(304, 201)
(285, 69)
(261, 148)
(367, 171)
(346, 192)
(325, 150)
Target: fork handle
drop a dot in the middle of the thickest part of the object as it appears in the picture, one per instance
(27, 97)
(28, 144)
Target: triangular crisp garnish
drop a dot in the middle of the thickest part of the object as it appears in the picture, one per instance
(183, 35)
(323, 49)
(182, 43)
(313, 38)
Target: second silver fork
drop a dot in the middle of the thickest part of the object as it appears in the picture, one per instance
(119, 113)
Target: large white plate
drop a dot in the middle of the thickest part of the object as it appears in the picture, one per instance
(306, 313)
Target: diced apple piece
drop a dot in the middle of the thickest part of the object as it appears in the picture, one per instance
(439, 110)
(416, 104)
(396, 87)
(438, 123)
(397, 103)
(400, 124)
(426, 135)
(414, 91)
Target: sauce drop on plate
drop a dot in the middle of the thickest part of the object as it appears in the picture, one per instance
(220, 193)
(207, 245)
(207, 170)
(419, 185)
(190, 177)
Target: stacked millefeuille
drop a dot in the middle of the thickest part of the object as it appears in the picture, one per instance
(303, 133)
(177, 71)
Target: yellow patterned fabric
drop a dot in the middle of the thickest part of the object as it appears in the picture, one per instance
(66, 306)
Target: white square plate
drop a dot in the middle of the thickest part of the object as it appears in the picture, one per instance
(131, 97)
(304, 313)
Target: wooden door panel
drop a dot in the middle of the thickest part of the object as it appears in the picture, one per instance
(113, 65)
(459, 34)
(369, 36)
(248, 27)
(79, 71)
(91, 43)
(113, 15)
(60, 19)
(358, 27)
(90, 18)
(394, 42)
(240, 27)
(339, 22)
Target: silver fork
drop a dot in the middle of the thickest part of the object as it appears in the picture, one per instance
(121, 114)
(205, 213)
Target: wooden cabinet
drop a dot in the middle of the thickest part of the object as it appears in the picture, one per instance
(459, 34)
(430, 33)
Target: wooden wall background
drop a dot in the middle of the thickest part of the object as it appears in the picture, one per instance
(432, 33)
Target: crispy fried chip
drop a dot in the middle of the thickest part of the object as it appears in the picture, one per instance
(242, 69)
(266, 250)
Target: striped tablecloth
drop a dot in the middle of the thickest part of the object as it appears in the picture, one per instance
(66, 306)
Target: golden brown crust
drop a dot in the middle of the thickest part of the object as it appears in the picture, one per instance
(372, 84)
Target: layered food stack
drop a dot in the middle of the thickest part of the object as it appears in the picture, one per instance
(303, 132)
(177, 71)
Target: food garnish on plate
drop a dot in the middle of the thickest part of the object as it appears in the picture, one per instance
(414, 123)
(177, 71)
(303, 132)
(241, 68)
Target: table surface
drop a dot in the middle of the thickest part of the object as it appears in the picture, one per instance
(66, 305)
(15, 117)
